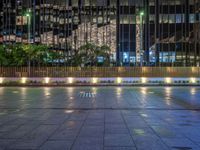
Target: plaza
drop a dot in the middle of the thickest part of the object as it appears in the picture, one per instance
(100, 118)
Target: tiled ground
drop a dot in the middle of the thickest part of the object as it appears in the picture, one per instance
(97, 118)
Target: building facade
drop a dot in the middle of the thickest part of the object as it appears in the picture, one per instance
(139, 32)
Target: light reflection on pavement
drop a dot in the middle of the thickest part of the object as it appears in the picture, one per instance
(102, 118)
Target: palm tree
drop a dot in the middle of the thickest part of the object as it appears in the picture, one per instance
(89, 54)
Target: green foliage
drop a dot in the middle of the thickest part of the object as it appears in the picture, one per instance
(30, 54)
(21, 54)
(88, 54)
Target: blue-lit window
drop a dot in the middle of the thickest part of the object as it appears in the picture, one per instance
(125, 57)
(167, 57)
(178, 18)
(171, 18)
(100, 59)
(192, 18)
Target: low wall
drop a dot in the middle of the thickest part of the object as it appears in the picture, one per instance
(24, 81)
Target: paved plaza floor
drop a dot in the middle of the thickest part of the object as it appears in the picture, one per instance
(100, 118)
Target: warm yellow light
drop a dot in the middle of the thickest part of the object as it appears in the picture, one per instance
(94, 80)
(70, 80)
(168, 80)
(193, 91)
(24, 80)
(69, 111)
(143, 90)
(1, 80)
(144, 80)
(193, 80)
(119, 91)
(46, 80)
(119, 80)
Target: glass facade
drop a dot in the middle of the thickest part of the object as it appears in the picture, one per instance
(139, 32)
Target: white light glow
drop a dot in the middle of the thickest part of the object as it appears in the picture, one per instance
(193, 91)
(1, 80)
(94, 80)
(168, 80)
(119, 80)
(143, 90)
(193, 80)
(46, 80)
(144, 80)
(119, 91)
(70, 80)
(69, 111)
(24, 80)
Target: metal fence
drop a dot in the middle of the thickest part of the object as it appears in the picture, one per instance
(100, 72)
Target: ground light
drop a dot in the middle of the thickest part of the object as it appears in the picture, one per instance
(70, 80)
(1, 80)
(46, 80)
(119, 80)
(24, 80)
(168, 80)
(69, 111)
(193, 80)
(94, 80)
(144, 80)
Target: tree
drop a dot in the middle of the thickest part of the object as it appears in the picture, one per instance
(105, 52)
(21, 54)
(2, 55)
(89, 55)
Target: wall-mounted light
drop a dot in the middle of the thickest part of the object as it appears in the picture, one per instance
(46, 80)
(144, 80)
(1, 80)
(119, 80)
(23, 80)
(94, 80)
(193, 80)
(70, 80)
(69, 111)
(168, 80)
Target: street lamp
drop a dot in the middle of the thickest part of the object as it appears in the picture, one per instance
(141, 13)
(28, 15)
(141, 37)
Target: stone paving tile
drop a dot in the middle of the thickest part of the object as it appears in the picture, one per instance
(87, 147)
(20, 132)
(119, 148)
(88, 143)
(116, 129)
(149, 143)
(180, 143)
(64, 134)
(118, 118)
(35, 138)
(57, 145)
(118, 140)
(94, 122)
(166, 132)
(5, 143)
(92, 131)
(8, 128)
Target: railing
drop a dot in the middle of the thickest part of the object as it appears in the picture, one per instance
(100, 72)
